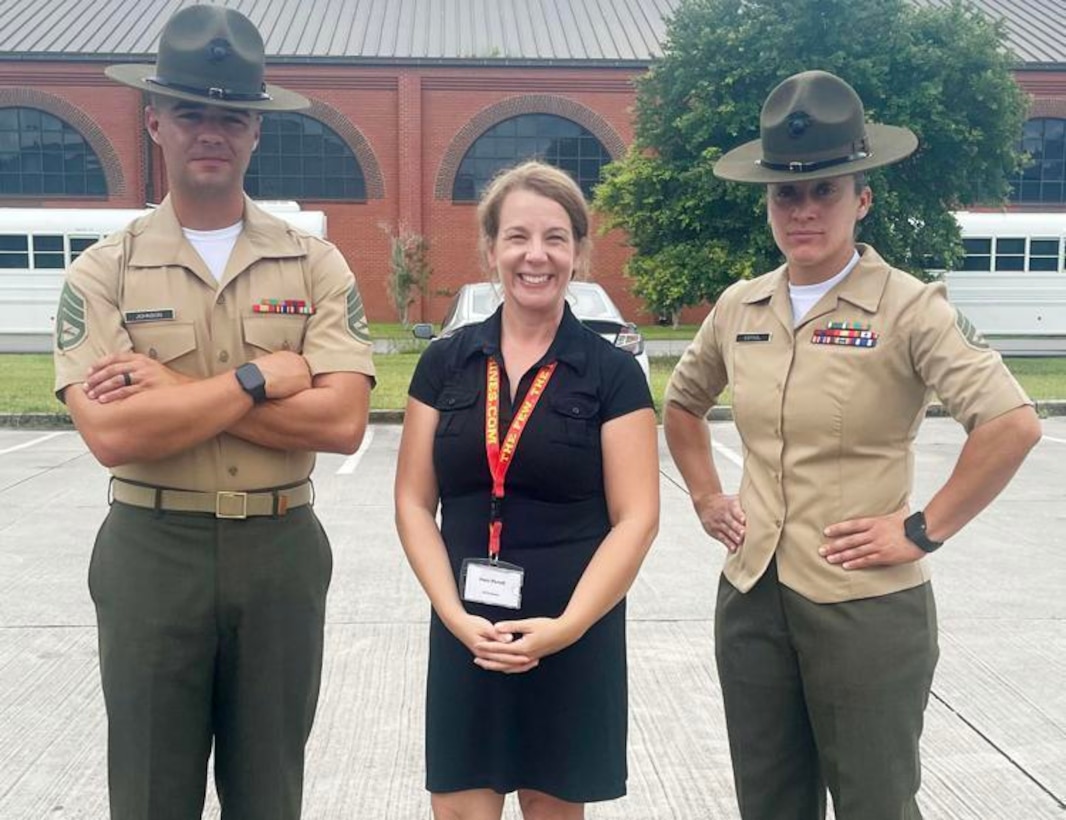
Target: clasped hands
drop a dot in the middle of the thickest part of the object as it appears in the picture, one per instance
(511, 647)
(120, 375)
(858, 543)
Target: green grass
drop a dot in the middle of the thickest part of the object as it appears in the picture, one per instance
(683, 332)
(26, 380)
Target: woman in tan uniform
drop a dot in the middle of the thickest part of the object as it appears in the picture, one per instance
(825, 626)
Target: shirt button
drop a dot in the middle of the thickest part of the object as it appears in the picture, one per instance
(153, 353)
(232, 471)
(222, 299)
(451, 401)
(777, 523)
(285, 345)
(223, 356)
(575, 410)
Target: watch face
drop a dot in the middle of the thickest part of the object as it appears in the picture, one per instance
(914, 529)
(252, 382)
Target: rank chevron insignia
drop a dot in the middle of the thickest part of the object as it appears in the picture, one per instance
(969, 330)
(70, 319)
(357, 325)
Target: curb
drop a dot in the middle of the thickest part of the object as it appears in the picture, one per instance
(61, 421)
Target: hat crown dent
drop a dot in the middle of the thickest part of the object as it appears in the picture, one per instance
(835, 119)
(232, 50)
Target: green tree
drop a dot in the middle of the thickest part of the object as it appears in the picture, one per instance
(943, 71)
(409, 269)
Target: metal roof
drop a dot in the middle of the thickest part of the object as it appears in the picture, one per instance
(1036, 29)
(415, 31)
(541, 31)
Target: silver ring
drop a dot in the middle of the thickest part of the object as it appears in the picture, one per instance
(126, 379)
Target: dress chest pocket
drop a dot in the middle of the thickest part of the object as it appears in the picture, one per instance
(454, 406)
(163, 341)
(275, 332)
(575, 419)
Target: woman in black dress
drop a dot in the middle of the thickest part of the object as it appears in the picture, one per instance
(529, 567)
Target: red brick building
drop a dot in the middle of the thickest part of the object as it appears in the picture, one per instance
(416, 99)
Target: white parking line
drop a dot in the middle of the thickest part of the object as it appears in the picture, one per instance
(350, 463)
(1056, 440)
(732, 455)
(26, 444)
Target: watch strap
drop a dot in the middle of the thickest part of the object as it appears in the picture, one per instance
(914, 529)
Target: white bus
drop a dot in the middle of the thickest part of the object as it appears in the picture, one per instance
(37, 244)
(1012, 282)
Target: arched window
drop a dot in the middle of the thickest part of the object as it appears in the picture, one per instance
(42, 155)
(1044, 140)
(553, 139)
(300, 157)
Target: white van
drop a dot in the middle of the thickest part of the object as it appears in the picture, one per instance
(37, 244)
(1012, 282)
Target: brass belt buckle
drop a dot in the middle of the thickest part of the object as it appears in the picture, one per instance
(231, 505)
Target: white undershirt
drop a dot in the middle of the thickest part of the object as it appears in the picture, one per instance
(215, 247)
(804, 297)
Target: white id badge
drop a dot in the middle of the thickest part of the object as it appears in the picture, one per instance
(495, 584)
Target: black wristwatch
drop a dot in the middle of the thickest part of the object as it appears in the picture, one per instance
(914, 529)
(251, 380)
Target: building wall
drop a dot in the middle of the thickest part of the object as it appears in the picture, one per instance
(409, 127)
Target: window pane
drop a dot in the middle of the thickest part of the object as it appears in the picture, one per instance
(49, 261)
(14, 242)
(1010, 245)
(1044, 263)
(14, 260)
(80, 243)
(1010, 263)
(300, 157)
(976, 262)
(556, 140)
(1044, 247)
(48, 242)
(40, 153)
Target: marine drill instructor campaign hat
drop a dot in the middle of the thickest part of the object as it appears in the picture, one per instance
(212, 55)
(813, 126)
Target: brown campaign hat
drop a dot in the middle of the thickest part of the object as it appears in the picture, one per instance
(813, 126)
(212, 55)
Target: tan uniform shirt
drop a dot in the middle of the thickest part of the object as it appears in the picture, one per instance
(147, 290)
(828, 428)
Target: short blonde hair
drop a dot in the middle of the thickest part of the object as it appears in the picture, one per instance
(544, 180)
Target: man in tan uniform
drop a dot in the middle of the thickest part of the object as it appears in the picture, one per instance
(825, 625)
(206, 353)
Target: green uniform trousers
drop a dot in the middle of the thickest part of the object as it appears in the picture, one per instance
(824, 696)
(210, 630)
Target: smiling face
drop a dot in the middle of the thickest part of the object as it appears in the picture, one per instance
(206, 148)
(534, 253)
(814, 224)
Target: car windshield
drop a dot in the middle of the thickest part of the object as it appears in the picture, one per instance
(590, 303)
(483, 301)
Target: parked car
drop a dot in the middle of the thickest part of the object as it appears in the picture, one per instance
(589, 302)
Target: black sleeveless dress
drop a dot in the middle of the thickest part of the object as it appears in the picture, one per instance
(561, 727)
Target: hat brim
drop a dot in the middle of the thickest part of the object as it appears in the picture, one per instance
(136, 76)
(888, 144)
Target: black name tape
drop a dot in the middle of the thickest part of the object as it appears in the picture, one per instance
(753, 337)
(132, 317)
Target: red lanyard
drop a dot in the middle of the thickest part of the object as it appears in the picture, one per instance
(500, 457)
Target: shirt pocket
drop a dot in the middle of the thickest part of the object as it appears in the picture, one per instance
(453, 404)
(163, 341)
(275, 332)
(575, 419)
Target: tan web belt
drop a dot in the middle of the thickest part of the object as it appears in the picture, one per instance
(224, 504)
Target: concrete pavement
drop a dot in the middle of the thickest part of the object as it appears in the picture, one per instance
(994, 748)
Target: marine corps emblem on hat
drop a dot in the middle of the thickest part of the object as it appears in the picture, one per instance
(813, 126)
(211, 55)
